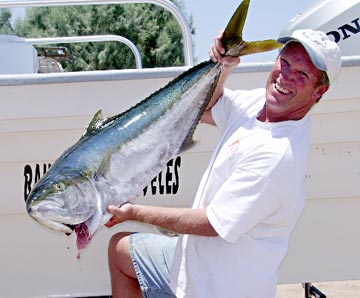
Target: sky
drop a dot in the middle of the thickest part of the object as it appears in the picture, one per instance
(265, 20)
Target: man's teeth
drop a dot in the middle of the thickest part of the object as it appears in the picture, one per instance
(280, 89)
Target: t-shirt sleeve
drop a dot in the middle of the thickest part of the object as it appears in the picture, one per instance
(243, 201)
(226, 107)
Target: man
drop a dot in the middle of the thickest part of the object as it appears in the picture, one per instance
(251, 195)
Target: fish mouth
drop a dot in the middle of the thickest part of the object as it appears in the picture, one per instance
(54, 225)
(56, 217)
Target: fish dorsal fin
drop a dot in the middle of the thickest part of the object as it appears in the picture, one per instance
(95, 123)
(104, 167)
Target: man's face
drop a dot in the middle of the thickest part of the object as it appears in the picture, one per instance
(292, 88)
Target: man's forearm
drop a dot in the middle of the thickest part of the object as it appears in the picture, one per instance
(178, 220)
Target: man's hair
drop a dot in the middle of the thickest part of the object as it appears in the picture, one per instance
(323, 80)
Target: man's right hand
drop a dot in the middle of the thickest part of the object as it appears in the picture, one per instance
(217, 52)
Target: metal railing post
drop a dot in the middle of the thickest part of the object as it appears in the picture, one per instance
(92, 38)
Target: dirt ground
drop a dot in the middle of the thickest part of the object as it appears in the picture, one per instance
(337, 289)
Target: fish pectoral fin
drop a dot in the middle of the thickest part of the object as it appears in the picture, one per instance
(253, 47)
(104, 167)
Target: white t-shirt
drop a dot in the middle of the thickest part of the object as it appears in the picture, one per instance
(253, 192)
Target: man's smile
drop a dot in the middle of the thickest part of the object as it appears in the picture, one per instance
(280, 89)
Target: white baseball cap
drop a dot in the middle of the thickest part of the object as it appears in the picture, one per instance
(324, 53)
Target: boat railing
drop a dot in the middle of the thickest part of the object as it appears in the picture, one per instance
(166, 4)
(92, 38)
(135, 74)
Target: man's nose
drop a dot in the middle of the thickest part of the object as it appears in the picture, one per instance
(287, 76)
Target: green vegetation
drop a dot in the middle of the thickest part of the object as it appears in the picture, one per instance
(152, 29)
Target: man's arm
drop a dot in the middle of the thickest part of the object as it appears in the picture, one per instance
(229, 63)
(178, 220)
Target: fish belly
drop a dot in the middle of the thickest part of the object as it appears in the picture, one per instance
(139, 160)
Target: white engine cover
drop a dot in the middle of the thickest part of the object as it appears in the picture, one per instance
(339, 19)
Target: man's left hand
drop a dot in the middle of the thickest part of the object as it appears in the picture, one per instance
(120, 214)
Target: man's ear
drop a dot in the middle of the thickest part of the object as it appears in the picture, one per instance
(319, 92)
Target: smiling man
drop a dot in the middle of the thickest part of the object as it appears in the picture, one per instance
(237, 232)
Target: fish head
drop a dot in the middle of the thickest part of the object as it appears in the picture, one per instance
(61, 200)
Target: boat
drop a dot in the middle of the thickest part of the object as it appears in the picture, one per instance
(44, 113)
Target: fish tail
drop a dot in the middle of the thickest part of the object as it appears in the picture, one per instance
(232, 38)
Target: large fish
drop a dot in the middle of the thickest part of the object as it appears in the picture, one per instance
(102, 168)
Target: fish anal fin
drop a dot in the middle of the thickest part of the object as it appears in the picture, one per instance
(188, 144)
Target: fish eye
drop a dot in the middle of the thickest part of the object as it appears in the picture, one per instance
(60, 186)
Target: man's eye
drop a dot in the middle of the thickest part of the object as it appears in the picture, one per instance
(284, 62)
(304, 74)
